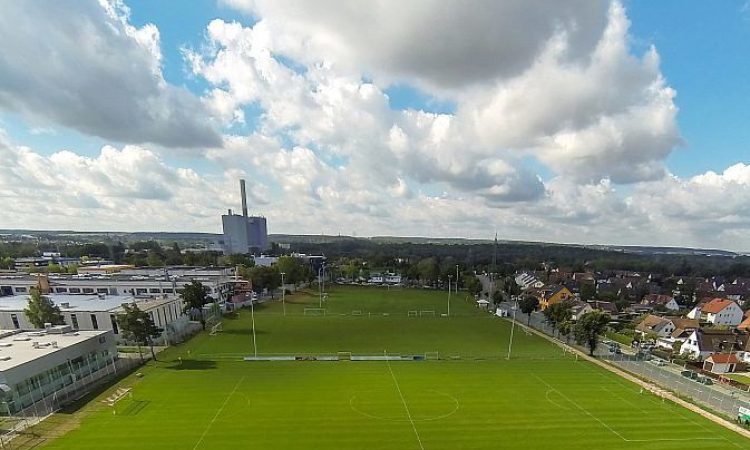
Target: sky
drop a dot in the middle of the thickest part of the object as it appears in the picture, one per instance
(576, 121)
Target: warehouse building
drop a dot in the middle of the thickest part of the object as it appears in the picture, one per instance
(42, 366)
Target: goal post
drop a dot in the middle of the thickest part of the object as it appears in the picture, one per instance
(432, 356)
(412, 314)
(429, 313)
(216, 329)
(345, 356)
(315, 311)
(357, 312)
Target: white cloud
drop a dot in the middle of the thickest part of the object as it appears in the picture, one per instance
(81, 65)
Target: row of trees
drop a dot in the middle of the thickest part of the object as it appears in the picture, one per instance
(586, 329)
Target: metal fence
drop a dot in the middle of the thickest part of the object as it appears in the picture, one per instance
(20, 430)
(721, 398)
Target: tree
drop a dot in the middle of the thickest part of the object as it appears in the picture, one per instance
(511, 287)
(472, 283)
(139, 327)
(528, 305)
(291, 267)
(589, 327)
(588, 290)
(195, 296)
(265, 278)
(41, 310)
(497, 297)
(559, 314)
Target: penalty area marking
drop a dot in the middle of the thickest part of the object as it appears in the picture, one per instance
(406, 407)
(210, 424)
(456, 407)
(615, 432)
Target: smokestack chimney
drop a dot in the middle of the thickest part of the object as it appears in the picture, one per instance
(244, 198)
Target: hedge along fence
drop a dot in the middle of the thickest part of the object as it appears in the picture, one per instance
(619, 337)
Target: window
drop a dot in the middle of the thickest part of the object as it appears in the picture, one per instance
(74, 321)
(61, 290)
(154, 291)
(168, 291)
(94, 322)
(14, 318)
(20, 289)
(88, 290)
(101, 290)
(139, 291)
(75, 290)
(113, 319)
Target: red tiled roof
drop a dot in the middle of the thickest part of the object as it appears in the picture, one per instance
(745, 325)
(716, 305)
(723, 358)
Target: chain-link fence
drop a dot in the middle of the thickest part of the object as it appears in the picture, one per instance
(721, 398)
(35, 423)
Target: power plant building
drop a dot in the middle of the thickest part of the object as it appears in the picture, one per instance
(242, 233)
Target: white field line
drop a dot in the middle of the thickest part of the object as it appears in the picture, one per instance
(223, 405)
(406, 407)
(615, 432)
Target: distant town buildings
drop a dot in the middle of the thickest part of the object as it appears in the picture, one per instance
(244, 234)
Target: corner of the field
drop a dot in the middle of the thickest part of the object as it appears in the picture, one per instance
(649, 386)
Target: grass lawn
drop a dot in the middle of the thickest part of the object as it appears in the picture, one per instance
(540, 398)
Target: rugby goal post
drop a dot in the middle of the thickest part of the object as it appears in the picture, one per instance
(315, 311)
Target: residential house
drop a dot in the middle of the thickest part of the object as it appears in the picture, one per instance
(607, 307)
(528, 281)
(722, 311)
(660, 326)
(703, 342)
(579, 309)
(657, 300)
(549, 295)
(682, 330)
(720, 363)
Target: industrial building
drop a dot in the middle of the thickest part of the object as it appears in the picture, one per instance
(37, 366)
(98, 312)
(242, 233)
(138, 282)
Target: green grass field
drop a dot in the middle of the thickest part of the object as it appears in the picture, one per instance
(541, 398)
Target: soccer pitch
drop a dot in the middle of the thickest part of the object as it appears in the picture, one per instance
(201, 395)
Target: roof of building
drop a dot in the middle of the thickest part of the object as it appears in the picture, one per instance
(652, 323)
(19, 347)
(716, 305)
(88, 303)
(608, 307)
(744, 325)
(712, 340)
(723, 358)
(656, 299)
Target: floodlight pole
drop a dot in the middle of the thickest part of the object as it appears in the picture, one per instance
(321, 274)
(449, 294)
(252, 314)
(283, 290)
(512, 328)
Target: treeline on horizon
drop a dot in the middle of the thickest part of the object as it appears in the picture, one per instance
(400, 257)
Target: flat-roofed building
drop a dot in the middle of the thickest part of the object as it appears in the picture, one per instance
(98, 312)
(149, 281)
(39, 366)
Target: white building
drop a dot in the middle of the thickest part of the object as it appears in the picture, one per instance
(527, 281)
(721, 311)
(97, 312)
(720, 363)
(147, 281)
(702, 343)
(40, 365)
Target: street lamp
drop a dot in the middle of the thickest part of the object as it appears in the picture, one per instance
(283, 290)
(449, 294)
(321, 283)
(456, 279)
